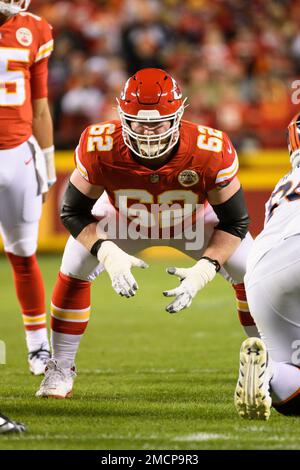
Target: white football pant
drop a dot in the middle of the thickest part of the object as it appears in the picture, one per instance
(20, 200)
(273, 293)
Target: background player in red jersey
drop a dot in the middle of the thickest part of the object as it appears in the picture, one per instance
(26, 160)
(149, 157)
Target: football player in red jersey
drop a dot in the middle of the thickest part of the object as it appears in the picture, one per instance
(148, 158)
(26, 160)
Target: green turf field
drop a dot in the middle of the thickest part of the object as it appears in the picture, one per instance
(146, 379)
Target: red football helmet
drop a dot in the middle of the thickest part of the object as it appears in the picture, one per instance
(151, 96)
(293, 138)
(13, 7)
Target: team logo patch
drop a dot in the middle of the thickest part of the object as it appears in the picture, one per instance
(154, 178)
(188, 178)
(24, 36)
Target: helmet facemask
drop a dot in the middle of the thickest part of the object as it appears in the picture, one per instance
(13, 7)
(151, 146)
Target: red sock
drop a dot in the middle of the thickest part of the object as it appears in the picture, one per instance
(242, 305)
(70, 306)
(70, 312)
(30, 290)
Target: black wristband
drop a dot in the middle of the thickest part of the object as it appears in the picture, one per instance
(95, 248)
(215, 262)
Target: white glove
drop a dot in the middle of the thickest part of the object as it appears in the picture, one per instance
(192, 280)
(50, 165)
(118, 264)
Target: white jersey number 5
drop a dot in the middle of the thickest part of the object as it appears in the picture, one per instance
(12, 80)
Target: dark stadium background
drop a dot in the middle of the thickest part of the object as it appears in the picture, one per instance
(236, 60)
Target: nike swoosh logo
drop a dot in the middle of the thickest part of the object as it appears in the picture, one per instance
(28, 161)
(229, 150)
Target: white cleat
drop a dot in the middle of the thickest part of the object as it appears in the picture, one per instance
(58, 381)
(8, 426)
(38, 359)
(252, 397)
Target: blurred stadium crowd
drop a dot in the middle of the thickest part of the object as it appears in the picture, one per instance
(236, 61)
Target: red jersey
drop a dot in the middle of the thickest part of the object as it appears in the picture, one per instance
(205, 159)
(25, 46)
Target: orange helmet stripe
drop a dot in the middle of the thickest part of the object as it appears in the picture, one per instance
(292, 137)
(296, 135)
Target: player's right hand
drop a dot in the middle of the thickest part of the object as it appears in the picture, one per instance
(118, 265)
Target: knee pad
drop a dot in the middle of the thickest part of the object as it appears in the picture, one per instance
(77, 262)
(289, 408)
(26, 247)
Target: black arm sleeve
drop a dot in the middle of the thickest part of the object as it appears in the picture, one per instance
(233, 215)
(76, 210)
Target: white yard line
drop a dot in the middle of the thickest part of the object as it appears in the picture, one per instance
(200, 437)
(291, 442)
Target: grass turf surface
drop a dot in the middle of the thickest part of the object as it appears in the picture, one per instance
(146, 379)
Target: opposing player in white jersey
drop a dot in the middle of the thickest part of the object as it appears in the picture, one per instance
(270, 367)
(26, 171)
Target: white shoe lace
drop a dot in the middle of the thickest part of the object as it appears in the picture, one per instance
(54, 375)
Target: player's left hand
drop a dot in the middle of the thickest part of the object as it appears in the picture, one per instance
(191, 281)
